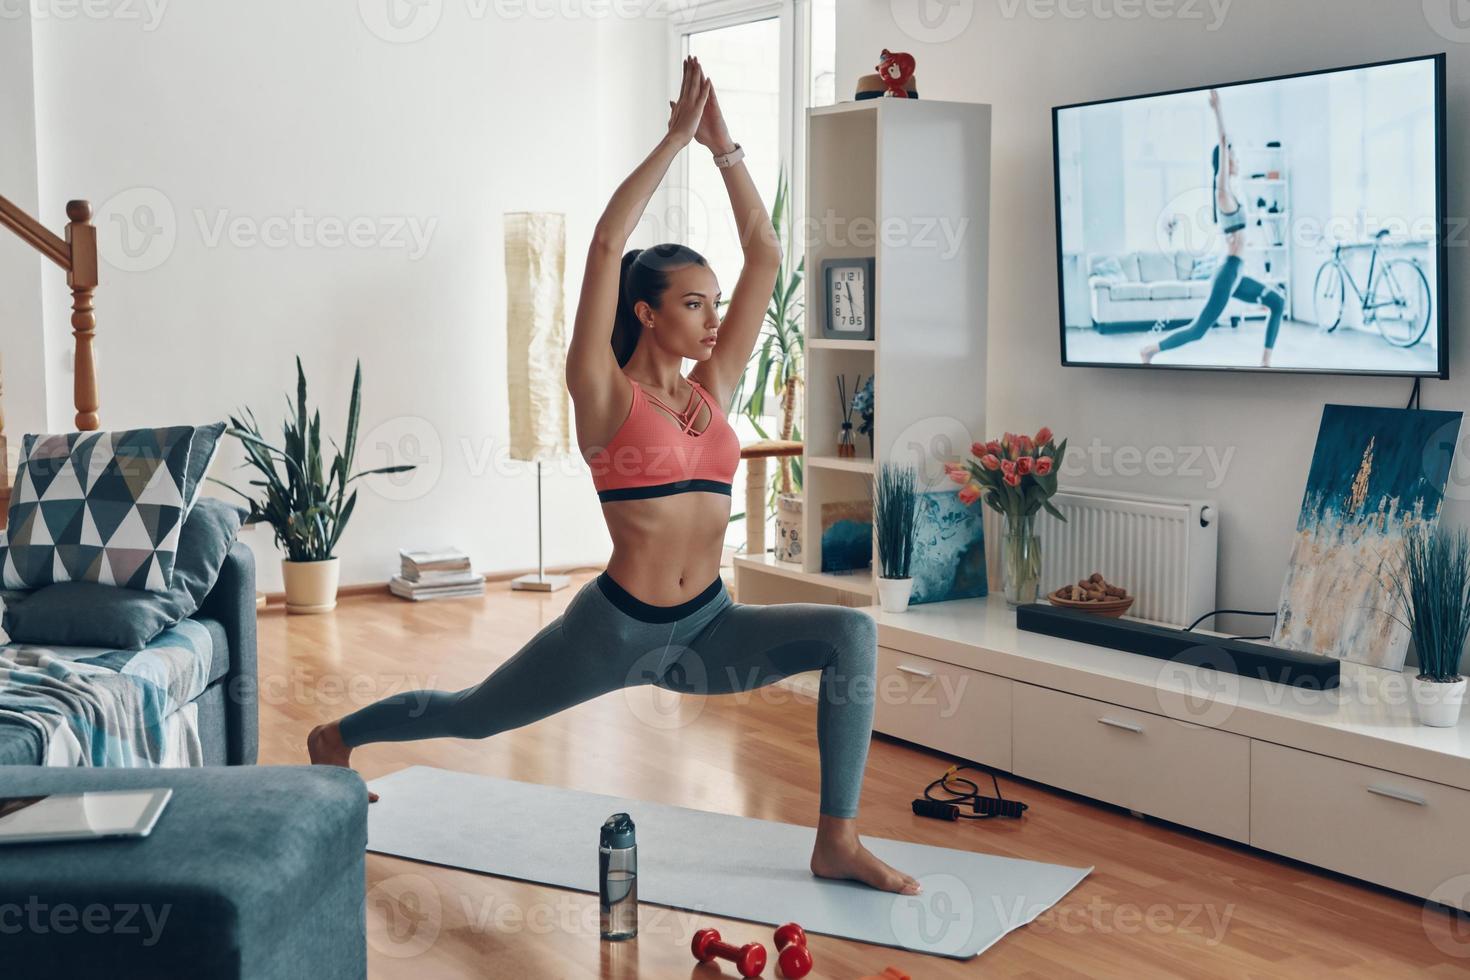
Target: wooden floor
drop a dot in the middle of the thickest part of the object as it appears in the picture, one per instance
(1162, 901)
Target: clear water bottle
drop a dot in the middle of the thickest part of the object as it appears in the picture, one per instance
(617, 863)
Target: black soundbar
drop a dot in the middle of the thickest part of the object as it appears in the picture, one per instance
(1267, 663)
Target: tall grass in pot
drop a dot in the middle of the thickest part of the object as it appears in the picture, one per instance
(1431, 591)
(895, 513)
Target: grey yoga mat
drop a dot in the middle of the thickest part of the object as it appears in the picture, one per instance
(711, 863)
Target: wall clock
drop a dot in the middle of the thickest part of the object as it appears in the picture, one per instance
(849, 306)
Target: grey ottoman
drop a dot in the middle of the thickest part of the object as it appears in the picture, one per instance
(251, 871)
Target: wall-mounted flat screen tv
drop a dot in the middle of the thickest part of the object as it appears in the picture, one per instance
(1291, 224)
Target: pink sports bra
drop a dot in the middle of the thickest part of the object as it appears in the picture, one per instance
(653, 456)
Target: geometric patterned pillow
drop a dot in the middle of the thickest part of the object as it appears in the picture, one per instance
(98, 507)
(202, 451)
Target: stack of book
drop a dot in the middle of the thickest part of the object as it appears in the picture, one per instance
(439, 574)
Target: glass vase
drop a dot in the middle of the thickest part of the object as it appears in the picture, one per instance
(845, 445)
(1022, 558)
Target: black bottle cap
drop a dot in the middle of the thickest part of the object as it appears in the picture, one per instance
(618, 831)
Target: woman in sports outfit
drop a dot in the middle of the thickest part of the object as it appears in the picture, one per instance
(659, 614)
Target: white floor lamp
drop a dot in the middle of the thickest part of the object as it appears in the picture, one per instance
(535, 331)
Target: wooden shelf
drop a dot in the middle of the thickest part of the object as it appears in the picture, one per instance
(842, 108)
(859, 582)
(849, 464)
(830, 343)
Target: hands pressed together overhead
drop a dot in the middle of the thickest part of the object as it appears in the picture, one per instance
(696, 113)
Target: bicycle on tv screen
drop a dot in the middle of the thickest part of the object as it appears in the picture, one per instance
(1288, 224)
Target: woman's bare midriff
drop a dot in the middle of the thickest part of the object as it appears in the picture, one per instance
(666, 550)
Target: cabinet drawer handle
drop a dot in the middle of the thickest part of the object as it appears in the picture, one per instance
(1127, 726)
(1398, 794)
(915, 671)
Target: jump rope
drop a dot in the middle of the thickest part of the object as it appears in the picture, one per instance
(965, 792)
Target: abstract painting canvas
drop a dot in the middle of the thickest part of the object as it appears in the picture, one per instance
(1378, 474)
(847, 535)
(949, 550)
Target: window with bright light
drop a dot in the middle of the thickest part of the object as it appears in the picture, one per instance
(770, 61)
(744, 62)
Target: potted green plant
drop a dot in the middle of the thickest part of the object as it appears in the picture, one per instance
(1432, 592)
(895, 512)
(307, 509)
(775, 370)
(1017, 476)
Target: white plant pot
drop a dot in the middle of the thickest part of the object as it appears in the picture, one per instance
(893, 593)
(1439, 704)
(311, 586)
(788, 527)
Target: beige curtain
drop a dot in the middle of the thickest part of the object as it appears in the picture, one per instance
(535, 263)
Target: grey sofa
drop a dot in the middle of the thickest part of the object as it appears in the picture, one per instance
(228, 706)
(1135, 290)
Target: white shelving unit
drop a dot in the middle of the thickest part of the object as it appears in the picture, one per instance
(1269, 242)
(906, 182)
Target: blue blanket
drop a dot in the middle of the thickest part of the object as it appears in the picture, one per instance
(90, 706)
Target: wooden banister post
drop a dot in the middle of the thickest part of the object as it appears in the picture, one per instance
(4, 447)
(755, 455)
(81, 237)
(755, 505)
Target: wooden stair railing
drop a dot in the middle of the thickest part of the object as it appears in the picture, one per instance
(755, 455)
(77, 255)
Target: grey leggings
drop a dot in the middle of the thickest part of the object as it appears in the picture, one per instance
(1228, 282)
(607, 640)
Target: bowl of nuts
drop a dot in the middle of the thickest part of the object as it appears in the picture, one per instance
(1095, 595)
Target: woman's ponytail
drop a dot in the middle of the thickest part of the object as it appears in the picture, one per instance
(627, 328)
(643, 278)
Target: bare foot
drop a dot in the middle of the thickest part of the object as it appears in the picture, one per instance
(848, 858)
(326, 748)
(1148, 353)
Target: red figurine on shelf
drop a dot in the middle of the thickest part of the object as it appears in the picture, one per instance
(896, 68)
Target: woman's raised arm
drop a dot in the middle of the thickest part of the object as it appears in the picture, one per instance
(1223, 197)
(591, 366)
(761, 254)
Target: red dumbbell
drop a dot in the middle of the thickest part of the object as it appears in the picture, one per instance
(749, 959)
(794, 959)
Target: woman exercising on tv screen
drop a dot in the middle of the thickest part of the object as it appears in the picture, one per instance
(1229, 211)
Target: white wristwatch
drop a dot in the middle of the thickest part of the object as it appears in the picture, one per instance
(731, 158)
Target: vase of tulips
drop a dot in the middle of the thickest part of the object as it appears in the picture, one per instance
(1016, 475)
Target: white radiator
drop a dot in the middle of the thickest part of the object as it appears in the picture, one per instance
(1163, 551)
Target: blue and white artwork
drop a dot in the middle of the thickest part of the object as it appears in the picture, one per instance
(949, 550)
(847, 535)
(1377, 475)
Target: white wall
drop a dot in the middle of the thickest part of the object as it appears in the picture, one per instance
(214, 116)
(1025, 56)
(21, 273)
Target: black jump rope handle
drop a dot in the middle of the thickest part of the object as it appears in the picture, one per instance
(984, 805)
(933, 808)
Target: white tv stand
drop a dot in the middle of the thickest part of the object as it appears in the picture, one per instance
(1344, 779)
